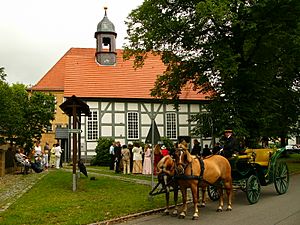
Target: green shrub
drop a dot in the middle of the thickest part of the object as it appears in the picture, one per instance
(102, 157)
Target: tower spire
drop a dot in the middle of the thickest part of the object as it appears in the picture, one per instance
(106, 41)
(105, 9)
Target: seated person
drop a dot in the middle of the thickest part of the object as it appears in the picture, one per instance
(23, 160)
(230, 146)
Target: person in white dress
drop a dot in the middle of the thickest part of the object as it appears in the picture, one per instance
(58, 152)
(137, 152)
(147, 168)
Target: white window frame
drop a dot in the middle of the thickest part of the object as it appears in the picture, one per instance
(171, 125)
(133, 125)
(92, 126)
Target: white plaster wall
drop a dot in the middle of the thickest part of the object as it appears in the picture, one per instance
(161, 131)
(106, 118)
(106, 131)
(183, 108)
(145, 131)
(145, 119)
(120, 131)
(183, 131)
(132, 106)
(183, 119)
(195, 108)
(120, 118)
(159, 119)
(88, 153)
(119, 106)
(91, 145)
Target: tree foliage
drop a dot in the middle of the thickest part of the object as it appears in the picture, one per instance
(23, 116)
(244, 53)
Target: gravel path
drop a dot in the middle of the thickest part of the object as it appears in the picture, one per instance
(13, 186)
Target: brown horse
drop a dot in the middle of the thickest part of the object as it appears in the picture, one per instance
(165, 173)
(214, 170)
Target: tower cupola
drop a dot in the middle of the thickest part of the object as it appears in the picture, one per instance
(106, 42)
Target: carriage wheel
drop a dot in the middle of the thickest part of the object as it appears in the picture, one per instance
(281, 177)
(252, 189)
(213, 193)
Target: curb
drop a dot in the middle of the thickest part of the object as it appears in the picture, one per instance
(131, 216)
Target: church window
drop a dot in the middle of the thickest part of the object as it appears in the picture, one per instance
(92, 126)
(171, 125)
(132, 125)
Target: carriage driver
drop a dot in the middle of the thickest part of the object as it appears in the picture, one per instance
(230, 145)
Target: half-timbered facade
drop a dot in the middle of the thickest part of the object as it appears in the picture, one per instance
(117, 93)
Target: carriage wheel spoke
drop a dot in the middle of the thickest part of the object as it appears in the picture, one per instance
(281, 178)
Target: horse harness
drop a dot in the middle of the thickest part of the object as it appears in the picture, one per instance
(191, 177)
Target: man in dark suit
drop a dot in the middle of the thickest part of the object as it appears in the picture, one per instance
(230, 145)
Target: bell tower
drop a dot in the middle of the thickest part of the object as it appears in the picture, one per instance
(106, 42)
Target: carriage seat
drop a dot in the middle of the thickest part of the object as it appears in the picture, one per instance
(262, 155)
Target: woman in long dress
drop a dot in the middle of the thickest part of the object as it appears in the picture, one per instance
(58, 152)
(52, 156)
(147, 168)
(137, 159)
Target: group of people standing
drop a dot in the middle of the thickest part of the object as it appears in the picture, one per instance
(134, 158)
(227, 147)
(206, 151)
(40, 159)
(137, 160)
(48, 157)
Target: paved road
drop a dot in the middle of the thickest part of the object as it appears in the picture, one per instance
(271, 209)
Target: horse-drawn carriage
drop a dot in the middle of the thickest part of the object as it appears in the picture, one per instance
(250, 171)
(258, 167)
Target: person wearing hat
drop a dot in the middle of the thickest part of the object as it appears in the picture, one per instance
(229, 144)
(164, 150)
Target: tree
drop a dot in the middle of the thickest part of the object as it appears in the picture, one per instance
(38, 116)
(24, 117)
(5, 104)
(2, 74)
(244, 53)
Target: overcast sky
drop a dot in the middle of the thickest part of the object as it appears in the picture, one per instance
(35, 34)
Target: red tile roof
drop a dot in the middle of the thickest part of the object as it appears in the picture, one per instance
(78, 73)
(54, 79)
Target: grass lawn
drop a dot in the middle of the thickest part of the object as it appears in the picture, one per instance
(52, 201)
(293, 162)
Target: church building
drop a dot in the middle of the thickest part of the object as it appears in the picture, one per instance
(117, 94)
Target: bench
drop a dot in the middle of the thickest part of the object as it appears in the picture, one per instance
(261, 156)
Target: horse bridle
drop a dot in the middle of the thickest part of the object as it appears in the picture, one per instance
(180, 166)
